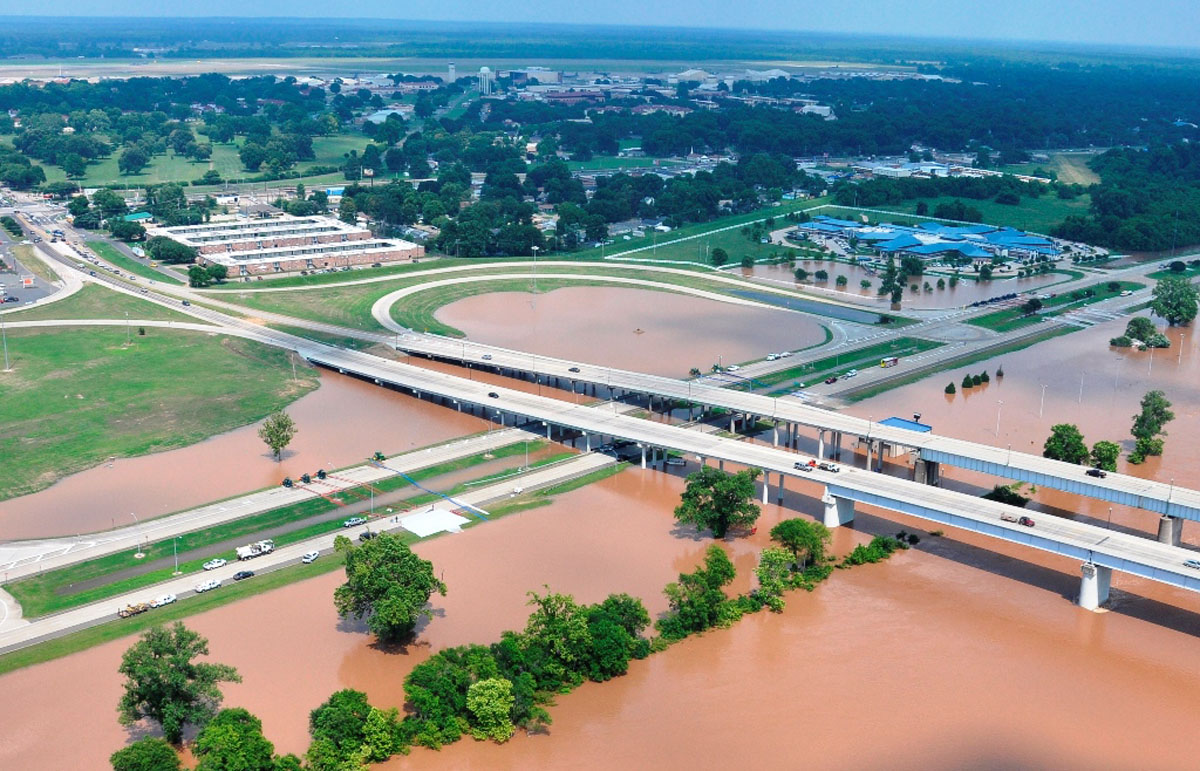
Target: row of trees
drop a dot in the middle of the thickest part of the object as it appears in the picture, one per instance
(1066, 442)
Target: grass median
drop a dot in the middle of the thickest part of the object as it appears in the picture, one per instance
(842, 362)
(1009, 319)
(53, 591)
(96, 301)
(113, 255)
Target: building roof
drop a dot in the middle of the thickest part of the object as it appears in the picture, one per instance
(904, 423)
(138, 216)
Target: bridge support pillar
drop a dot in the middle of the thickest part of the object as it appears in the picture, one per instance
(779, 491)
(643, 456)
(927, 472)
(1093, 590)
(732, 422)
(549, 428)
(703, 462)
(775, 434)
(587, 442)
(837, 444)
(820, 444)
(766, 486)
(870, 447)
(1170, 529)
(838, 511)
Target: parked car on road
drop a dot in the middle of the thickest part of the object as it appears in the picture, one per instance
(493, 395)
(573, 369)
(242, 575)
(353, 521)
(802, 466)
(851, 373)
(487, 357)
(831, 380)
(166, 599)
(1193, 564)
(1097, 472)
(213, 564)
(207, 585)
(830, 467)
(366, 535)
(310, 556)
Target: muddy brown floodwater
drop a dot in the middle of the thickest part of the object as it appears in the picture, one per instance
(342, 422)
(948, 656)
(649, 331)
(966, 292)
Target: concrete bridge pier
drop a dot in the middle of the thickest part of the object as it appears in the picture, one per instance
(1170, 529)
(838, 511)
(927, 472)
(1093, 589)
(779, 490)
(775, 434)
(549, 428)
(766, 487)
(587, 442)
(720, 464)
(643, 455)
(820, 443)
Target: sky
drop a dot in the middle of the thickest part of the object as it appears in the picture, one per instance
(1174, 23)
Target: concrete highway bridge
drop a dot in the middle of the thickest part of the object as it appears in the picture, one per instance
(1099, 550)
(788, 416)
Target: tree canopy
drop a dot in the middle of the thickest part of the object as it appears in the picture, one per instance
(716, 501)
(387, 584)
(164, 683)
(1175, 300)
(1066, 443)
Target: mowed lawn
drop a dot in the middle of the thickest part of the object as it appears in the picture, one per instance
(97, 302)
(79, 395)
(329, 150)
(1037, 215)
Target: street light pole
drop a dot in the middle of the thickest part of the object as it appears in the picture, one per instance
(1179, 359)
(175, 548)
(4, 336)
(999, 407)
(1042, 406)
(139, 553)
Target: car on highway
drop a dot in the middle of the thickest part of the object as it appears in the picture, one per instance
(802, 466)
(1097, 472)
(772, 356)
(851, 373)
(784, 354)
(11, 299)
(831, 380)
(732, 368)
(1126, 293)
(676, 462)
(493, 395)
(1026, 521)
(166, 599)
(573, 369)
(366, 535)
(833, 468)
(487, 357)
(1193, 564)
(186, 302)
(242, 575)
(310, 556)
(213, 564)
(207, 585)
(353, 521)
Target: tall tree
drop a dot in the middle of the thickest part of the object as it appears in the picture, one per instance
(233, 741)
(1066, 443)
(277, 430)
(1105, 455)
(386, 584)
(490, 702)
(804, 539)
(165, 684)
(1149, 426)
(1175, 300)
(716, 500)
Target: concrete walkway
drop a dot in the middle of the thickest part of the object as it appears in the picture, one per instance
(38, 630)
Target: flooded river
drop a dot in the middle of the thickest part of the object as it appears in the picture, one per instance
(341, 423)
(951, 655)
(965, 292)
(655, 332)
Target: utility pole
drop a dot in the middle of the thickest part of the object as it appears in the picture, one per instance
(4, 336)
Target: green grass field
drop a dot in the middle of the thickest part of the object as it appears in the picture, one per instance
(76, 398)
(840, 363)
(1008, 319)
(107, 251)
(1037, 215)
(329, 150)
(97, 302)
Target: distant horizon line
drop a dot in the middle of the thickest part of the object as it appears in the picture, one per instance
(959, 41)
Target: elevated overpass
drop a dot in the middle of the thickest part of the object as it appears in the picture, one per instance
(789, 415)
(1100, 550)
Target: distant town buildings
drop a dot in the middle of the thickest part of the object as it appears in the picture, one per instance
(934, 240)
(487, 81)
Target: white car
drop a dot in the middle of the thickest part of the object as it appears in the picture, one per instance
(310, 557)
(772, 356)
(213, 564)
(784, 354)
(166, 599)
(732, 368)
(207, 585)
(851, 373)
(353, 521)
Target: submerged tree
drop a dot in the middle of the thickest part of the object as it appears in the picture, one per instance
(386, 584)
(717, 501)
(277, 431)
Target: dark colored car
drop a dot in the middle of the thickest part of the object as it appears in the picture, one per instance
(242, 575)
(185, 302)
(11, 299)
(1026, 521)
(1097, 472)
(829, 380)
(493, 395)
(366, 535)
(573, 369)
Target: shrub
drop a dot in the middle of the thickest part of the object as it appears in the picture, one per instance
(950, 389)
